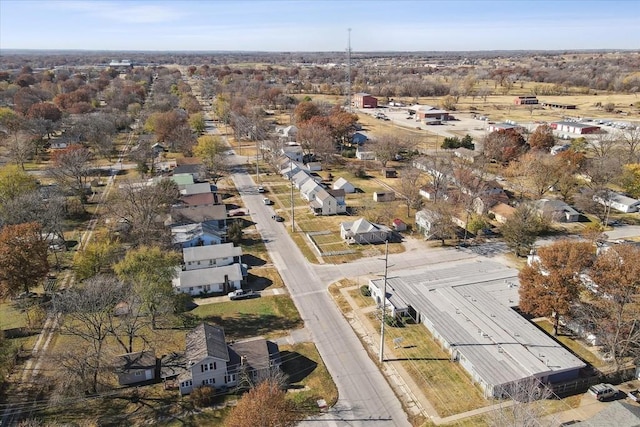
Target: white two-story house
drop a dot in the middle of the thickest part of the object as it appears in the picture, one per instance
(198, 257)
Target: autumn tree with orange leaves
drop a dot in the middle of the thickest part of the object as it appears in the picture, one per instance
(551, 284)
(23, 258)
(266, 406)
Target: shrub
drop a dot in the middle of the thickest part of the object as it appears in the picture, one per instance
(365, 291)
(203, 396)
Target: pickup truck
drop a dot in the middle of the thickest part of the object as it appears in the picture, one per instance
(242, 294)
(634, 395)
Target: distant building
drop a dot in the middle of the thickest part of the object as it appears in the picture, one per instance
(575, 127)
(526, 100)
(364, 100)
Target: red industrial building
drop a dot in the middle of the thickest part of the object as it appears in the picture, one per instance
(526, 100)
(574, 127)
(364, 100)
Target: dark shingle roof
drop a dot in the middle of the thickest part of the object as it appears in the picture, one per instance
(206, 341)
(138, 360)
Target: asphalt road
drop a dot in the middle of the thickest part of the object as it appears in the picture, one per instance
(365, 398)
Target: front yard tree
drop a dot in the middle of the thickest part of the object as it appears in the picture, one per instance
(265, 405)
(88, 315)
(411, 180)
(139, 209)
(504, 146)
(96, 258)
(211, 149)
(522, 228)
(23, 258)
(71, 169)
(551, 284)
(386, 147)
(542, 138)
(149, 271)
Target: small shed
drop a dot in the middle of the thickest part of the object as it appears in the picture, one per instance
(135, 368)
(399, 225)
(380, 196)
(389, 173)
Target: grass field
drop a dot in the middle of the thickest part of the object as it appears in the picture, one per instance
(270, 316)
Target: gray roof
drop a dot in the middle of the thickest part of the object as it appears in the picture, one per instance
(136, 361)
(619, 414)
(206, 341)
(469, 305)
(200, 253)
(363, 226)
(208, 276)
(172, 365)
(577, 125)
(258, 353)
(202, 213)
(197, 188)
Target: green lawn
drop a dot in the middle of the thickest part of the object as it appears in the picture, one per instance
(268, 316)
(11, 317)
(446, 385)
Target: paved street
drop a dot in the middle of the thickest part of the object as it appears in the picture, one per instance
(365, 398)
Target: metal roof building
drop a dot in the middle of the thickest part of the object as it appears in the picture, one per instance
(468, 308)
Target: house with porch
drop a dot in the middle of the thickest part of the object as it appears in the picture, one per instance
(362, 231)
(619, 202)
(202, 281)
(309, 189)
(556, 210)
(198, 234)
(328, 202)
(210, 361)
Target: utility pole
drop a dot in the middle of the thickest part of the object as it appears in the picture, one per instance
(384, 299)
(349, 71)
(293, 220)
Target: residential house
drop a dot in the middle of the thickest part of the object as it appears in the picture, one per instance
(300, 178)
(198, 234)
(222, 279)
(197, 171)
(425, 219)
(211, 361)
(199, 257)
(197, 188)
(314, 166)
(362, 231)
(429, 192)
(254, 358)
(556, 210)
(207, 357)
(617, 413)
(466, 155)
(158, 149)
(359, 138)
(309, 189)
(343, 184)
(619, 202)
(328, 202)
(287, 133)
(136, 368)
(202, 199)
(214, 215)
(502, 212)
(293, 152)
(182, 179)
(291, 168)
(365, 155)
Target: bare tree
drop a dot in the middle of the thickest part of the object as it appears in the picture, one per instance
(88, 313)
(386, 147)
(411, 180)
(71, 169)
(524, 405)
(631, 138)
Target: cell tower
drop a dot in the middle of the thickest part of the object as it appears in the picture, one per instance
(349, 71)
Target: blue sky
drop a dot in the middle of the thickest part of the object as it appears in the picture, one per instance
(319, 25)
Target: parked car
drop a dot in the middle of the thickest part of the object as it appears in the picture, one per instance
(267, 201)
(277, 218)
(261, 189)
(242, 294)
(603, 391)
